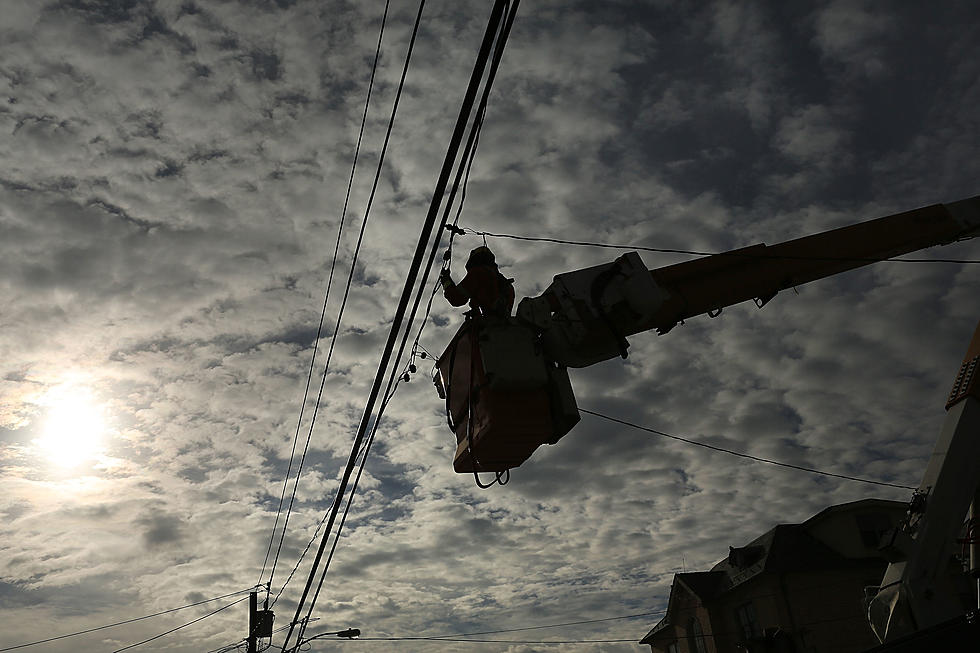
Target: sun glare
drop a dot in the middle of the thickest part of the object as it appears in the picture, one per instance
(74, 428)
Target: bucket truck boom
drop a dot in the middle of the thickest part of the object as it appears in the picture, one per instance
(923, 585)
(505, 381)
(585, 315)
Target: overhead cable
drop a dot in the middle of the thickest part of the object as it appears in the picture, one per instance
(414, 268)
(553, 642)
(189, 623)
(759, 459)
(667, 250)
(360, 240)
(396, 376)
(735, 635)
(319, 330)
(127, 621)
(360, 237)
(559, 625)
(299, 561)
(243, 642)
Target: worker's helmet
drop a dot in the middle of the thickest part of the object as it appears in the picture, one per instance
(480, 256)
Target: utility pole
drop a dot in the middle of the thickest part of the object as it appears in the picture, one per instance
(253, 606)
(259, 621)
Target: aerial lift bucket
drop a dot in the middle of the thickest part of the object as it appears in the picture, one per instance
(503, 398)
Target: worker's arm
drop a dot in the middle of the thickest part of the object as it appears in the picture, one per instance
(455, 295)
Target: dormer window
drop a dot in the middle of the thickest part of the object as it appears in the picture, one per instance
(743, 557)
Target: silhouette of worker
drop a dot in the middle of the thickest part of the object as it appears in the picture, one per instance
(488, 292)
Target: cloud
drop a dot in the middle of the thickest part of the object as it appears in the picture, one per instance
(172, 177)
(850, 33)
(160, 530)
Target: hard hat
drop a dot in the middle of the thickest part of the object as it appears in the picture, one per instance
(480, 256)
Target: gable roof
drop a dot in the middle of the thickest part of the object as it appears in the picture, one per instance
(703, 585)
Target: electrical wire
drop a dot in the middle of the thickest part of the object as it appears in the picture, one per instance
(454, 636)
(394, 382)
(367, 210)
(356, 255)
(468, 157)
(127, 621)
(759, 459)
(561, 625)
(458, 637)
(738, 635)
(189, 623)
(343, 216)
(461, 181)
(243, 642)
(396, 377)
(357, 248)
(496, 641)
(414, 268)
(667, 250)
(300, 560)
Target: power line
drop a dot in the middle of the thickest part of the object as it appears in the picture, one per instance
(367, 211)
(382, 366)
(357, 249)
(189, 623)
(396, 377)
(242, 642)
(343, 216)
(810, 470)
(460, 640)
(526, 628)
(127, 621)
(632, 640)
(300, 560)
(414, 268)
(667, 250)
(561, 625)
(460, 182)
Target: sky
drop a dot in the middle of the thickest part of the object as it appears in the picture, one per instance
(172, 179)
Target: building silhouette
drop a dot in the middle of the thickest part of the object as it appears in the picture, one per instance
(798, 588)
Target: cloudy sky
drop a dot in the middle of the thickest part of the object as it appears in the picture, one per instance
(172, 176)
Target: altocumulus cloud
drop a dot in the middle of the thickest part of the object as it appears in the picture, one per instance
(171, 182)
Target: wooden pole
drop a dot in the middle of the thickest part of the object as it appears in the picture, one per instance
(253, 602)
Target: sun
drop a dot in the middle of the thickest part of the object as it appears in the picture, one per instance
(74, 428)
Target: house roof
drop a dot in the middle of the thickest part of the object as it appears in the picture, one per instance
(784, 548)
(854, 505)
(787, 547)
(651, 636)
(702, 584)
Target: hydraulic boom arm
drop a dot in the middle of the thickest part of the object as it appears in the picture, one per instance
(919, 589)
(505, 380)
(586, 315)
